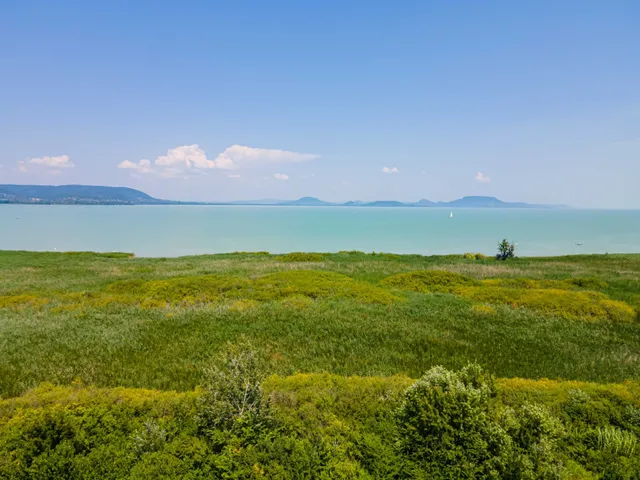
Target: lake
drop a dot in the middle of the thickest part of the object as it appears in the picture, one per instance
(188, 230)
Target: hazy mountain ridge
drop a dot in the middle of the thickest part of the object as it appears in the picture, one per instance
(101, 195)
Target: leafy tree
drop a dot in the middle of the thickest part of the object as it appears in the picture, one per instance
(506, 250)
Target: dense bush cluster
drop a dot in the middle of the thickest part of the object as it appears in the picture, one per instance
(584, 305)
(301, 257)
(448, 424)
(451, 427)
(562, 298)
(207, 289)
(474, 256)
(574, 283)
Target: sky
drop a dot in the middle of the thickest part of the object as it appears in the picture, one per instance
(342, 100)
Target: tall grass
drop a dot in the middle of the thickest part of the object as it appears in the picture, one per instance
(154, 323)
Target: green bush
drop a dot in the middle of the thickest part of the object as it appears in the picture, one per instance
(195, 290)
(322, 426)
(529, 283)
(533, 450)
(474, 256)
(429, 281)
(571, 305)
(445, 426)
(232, 391)
(450, 426)
(318, 284)
(300, 257)
(150, 438)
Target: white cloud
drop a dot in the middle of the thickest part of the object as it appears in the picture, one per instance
(237, 155)
(186, 156)
(143, 166)
(481, 177)
(390, 170)
(280, 176)
(233, 175)
(192, 158)
(52, 165)
(61, 161)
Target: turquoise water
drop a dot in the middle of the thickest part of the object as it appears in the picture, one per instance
(187, 230)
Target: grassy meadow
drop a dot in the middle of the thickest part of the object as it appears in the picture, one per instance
(340, 337)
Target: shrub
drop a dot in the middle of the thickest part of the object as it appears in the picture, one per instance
(150, 438)
(318, 284)
(568, 284)
(216, 288)
(474, 256)
(534, 435)
(571, 305)
(428, 281)
(445, 427)
(506, 250)
(301, 257)
(618, 312)
(520, 283)
(232, 390)
(449, 426)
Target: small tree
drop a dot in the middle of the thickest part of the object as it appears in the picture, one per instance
(506, 250)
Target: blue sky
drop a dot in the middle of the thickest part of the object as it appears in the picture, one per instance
(525, 101)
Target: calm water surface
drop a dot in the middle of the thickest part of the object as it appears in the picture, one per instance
(187, 230)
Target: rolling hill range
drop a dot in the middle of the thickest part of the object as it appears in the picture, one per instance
(102, 195)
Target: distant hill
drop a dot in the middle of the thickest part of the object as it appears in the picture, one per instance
(464, 202)
(308, 202)
(425, 203)
(98, 195)
(74, 194)
(385, 203)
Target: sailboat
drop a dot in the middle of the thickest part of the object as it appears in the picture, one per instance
(451, 215)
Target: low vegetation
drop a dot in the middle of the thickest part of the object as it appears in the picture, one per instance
(122, 367)
(447, 424)
(547, 297)
(301, 257)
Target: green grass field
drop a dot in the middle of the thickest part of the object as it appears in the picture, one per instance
(361, 325)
